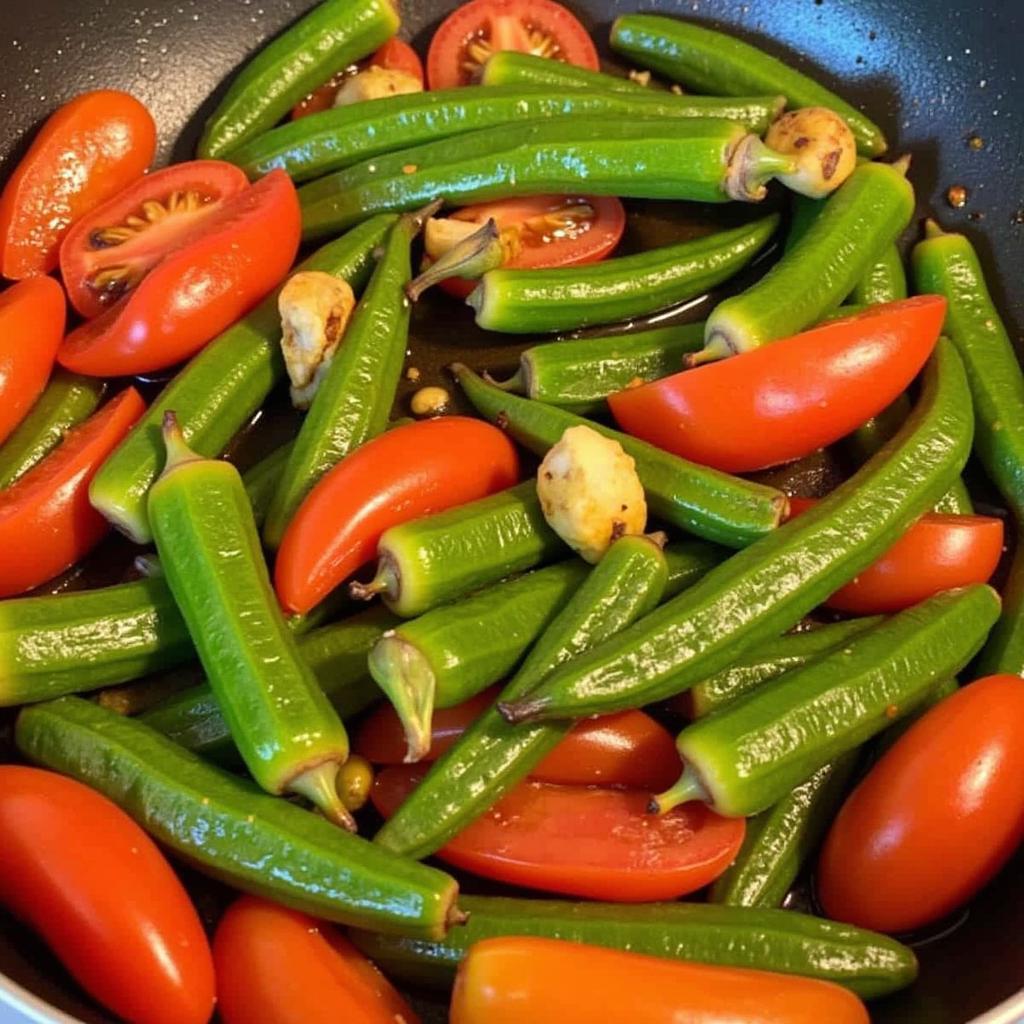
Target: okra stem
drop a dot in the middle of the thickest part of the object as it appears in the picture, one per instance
(405, 676)
(751, 166)
(319, 786)
(472, 258)
(689, 787)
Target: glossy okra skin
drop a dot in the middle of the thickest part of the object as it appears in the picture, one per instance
(566, 298)
(491, 756)
(780, 840)
(67, 401)
(705, 502)
(767, 588)
(718, 64)
(885, 280)
(261, 481)
(335, 139)
(774, 940)
(334, 34)
(226, 827)
(353, 402)
(220, 389)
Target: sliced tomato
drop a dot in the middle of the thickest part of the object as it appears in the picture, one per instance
(472, 32)
(87, 151)
(598, 843)
(547, 231)
(394, 55)
(939, 552)
(243, 250)
(110, 250)
(32, 315)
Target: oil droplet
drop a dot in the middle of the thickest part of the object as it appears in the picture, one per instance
(975, 142)
(956, 196)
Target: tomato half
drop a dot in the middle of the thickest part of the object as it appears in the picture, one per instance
(394, 55)
(110, 250)
(939, 552)
(77, 869)
(46, 521)
(32, 315)
(598, 843)
(242, 251)
(87, 151)
(627, 749)
(472, 32)
(787, 399)
(935, 818)
(277, 966)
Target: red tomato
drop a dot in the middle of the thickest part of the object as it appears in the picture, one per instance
(939, 552)
(46, 521)
(394, 55)
(936, 817)
(787, 399)
(242, 251)
(32, 315)
(277, 966)
(77, 869)
(405, 473)
(545, 981)
(87, 151)
(598, 843)
(472, 32)
(626, 749)
(113, 247)
(548, 231)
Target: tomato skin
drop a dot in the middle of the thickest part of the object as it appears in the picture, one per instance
(626, 749)
(77, 869)
(214, 179)
(936, 817)
(277, 966)
(411, 471)
(197, 291)
(583, 841)
(547, 981)
(504, 25)
(32, 315)
(87, 151)
(46, 521)
(939, 552)
(786, 400)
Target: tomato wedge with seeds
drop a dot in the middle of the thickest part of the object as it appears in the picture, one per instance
(470, 34)
(109, 251)
(579, 841)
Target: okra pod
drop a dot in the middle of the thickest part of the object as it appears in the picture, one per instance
(262, 479)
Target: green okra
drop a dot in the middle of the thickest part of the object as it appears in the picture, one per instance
(262, 479)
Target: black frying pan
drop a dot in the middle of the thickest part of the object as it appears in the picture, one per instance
(932, 72)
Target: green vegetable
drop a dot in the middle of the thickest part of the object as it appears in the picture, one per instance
(226, 827)
(766, 589)
(262, 479)
(492, 756)
(702, 159)
(885, 280)
(705, 502)
(333, 35)
(216, 394)
(781, 839)
(66, 402)
(751, 754)
(289, 736)
(509, 67)
(565, 298)
(865, 214)
(936, 695)
(719, 64)
(767, 940)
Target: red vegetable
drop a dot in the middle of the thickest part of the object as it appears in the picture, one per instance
(46, 521)
(241, 252)
(87, 151)
(277, 966)
(475, 30)
(408, 472)
(937, 816)
(77, 869)
(787, 399)
(32, 317)
(598, 843)
(939, 552)
(110, 250)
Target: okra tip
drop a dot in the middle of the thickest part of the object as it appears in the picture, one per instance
(319, 785)
(518, 711)
(689, 787)
(932, 229)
